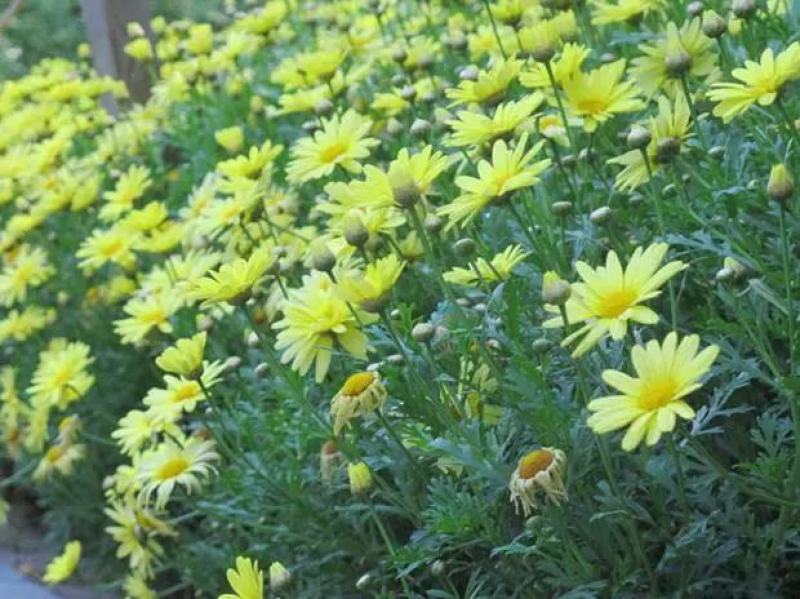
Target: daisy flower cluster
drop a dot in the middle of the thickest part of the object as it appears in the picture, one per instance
(441, 298)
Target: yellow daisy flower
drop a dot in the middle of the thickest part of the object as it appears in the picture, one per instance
(673, 122)
(61, 376)
(185, 357)
(761, 82)
(370, 289)
(649, 403)
(567, 65)
(315, 319)
(498, 269)
(489, 87)
(689, 43)
(247, 580)
(63, 566)
(509, 171)
(230, 138)
(475, 128)
(173, 463)
(620, 11)
(598, 95)
(21, 325)
(145, 314)
(233, 282)
(59, 458)
(608, 296)
(341, 141)
(27, 268)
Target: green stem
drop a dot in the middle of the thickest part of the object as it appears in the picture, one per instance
(494, 29)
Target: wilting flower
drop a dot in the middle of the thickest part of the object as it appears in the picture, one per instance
(648, 404)
(541, 469)
(362, 393)
(608, 297)
(62, 566)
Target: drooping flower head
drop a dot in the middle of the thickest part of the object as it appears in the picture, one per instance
(362, 393)
(539, 470)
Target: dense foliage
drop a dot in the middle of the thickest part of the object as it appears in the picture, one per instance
(444, 299)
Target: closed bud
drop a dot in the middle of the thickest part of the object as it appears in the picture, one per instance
(437, 567)
(310, 126)
(261, 370)
(423, 332)
(743, 8)
(635, 199)
(360, 478)
(323, 107)
(607, 57)
(433, 223)
(569, 161)
(714, 26)
(233, 363)
(667, 149)
(374, 244)
(464, 247)
(780, 186)
(717, 152)
(639, 137)
(420, 128)
(395, 359)
(561, 208)
(601, 215)
(458, 41)
(543, 53)
(678, 62)
(469, 73)
(555, 290)
(355, 233)
(322, 258)
(406, 195)
(399, 55)
(394, 127)
(363, 582)
(694, 8)
(541, 345)
(252, 339)
(408, 93)
(398, 79)
(425, 62)
(279, 577)
(669, 190)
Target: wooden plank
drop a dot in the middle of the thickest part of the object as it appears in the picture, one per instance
(106, 29)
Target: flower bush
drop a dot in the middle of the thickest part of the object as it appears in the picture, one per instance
(356, 295)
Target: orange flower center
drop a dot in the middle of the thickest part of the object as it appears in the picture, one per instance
(534, 462)
(615, 303)
(172, 468)
(357, 383)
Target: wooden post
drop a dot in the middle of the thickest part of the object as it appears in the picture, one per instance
(106, 29)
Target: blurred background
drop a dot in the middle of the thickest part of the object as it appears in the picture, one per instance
(45, 28)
